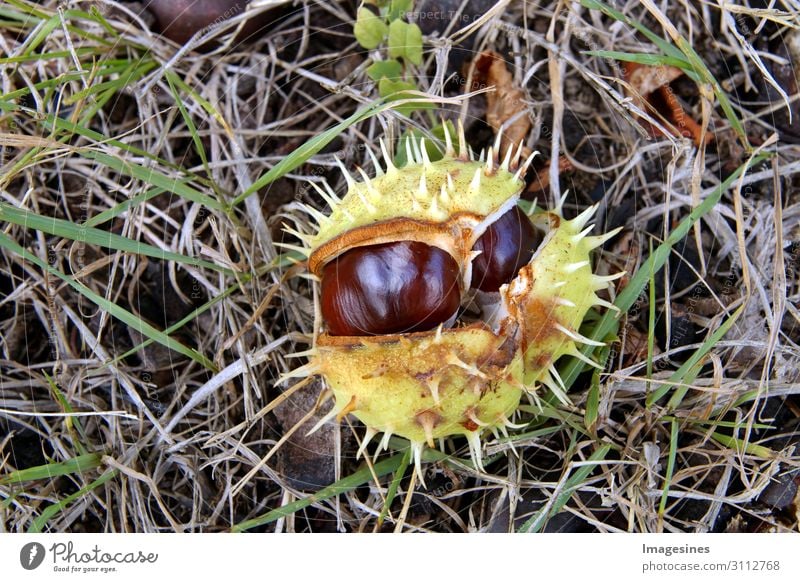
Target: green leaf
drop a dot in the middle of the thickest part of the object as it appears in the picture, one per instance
(405, 41)
(396, 90)
(385, 69)
(391, 88)
(369, 29)
(399, 8)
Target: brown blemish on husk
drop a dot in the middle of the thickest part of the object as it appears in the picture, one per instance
(470, 425)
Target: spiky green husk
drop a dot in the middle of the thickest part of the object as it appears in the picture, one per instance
(551, 296)
(425, 386)
(448, 203)
(464, 380)
(424, 192)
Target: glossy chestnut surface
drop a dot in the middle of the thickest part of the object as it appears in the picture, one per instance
(506, 246)
(389, 288)
(179, 20)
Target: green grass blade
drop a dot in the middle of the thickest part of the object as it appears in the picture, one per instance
(204, 103)
(69, 129)
(32, 42)
(682, 378)
(538, 520)
(724, 102)
(533, 434)
(187, 119)
(394, 485)
(80, 31)
(178, 325)
(49, 56)
(309, 148)
(154, 178)
(643, 59)
(651, 319)
(673, 452)
(609, 322)
(72, 422)
(96, 236)
(694, 66)
(666, 47)
(123, 207)
(738, 425)
(110, 307)
(554, 412)
(692, 363)
(51, 511)
(79, 464)
(7, 101)
(592, 412)
(148, 175)
(740, 445)
(131, 74)
(30, 15)
(360, 477)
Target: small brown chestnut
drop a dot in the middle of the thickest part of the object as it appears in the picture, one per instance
(506, 246)
(389, 288)
(179, 20)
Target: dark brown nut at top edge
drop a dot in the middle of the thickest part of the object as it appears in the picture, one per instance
(179, 20)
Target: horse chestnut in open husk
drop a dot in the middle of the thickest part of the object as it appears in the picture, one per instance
(397, 257)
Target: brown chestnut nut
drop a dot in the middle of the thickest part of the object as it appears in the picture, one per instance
(506, 246)
(179, 20)
(389, 288)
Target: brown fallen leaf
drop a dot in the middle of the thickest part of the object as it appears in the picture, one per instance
(506, 102)
(650, 88)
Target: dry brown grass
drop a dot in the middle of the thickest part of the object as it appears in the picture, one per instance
(188, 448)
